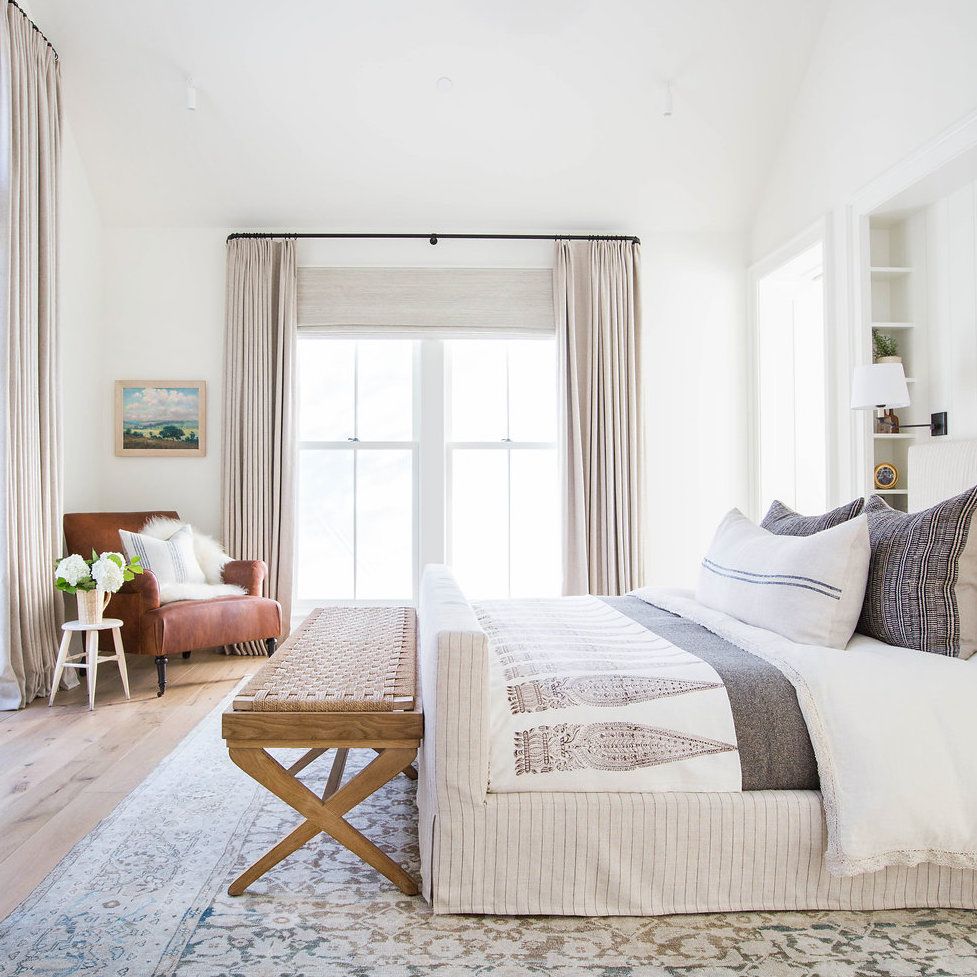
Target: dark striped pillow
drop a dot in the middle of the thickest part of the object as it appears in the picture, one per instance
(922, 580)
(781, 520)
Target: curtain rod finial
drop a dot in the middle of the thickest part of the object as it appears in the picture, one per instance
(434, 239)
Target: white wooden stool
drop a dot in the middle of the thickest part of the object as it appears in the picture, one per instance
(90, 655)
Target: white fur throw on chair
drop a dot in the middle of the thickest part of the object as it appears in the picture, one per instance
(211, 557)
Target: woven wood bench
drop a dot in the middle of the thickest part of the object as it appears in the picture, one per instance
(346, 678)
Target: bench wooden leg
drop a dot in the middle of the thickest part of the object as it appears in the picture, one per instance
(324, 815)
(410, 771)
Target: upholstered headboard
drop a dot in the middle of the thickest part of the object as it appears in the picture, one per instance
(940, 469)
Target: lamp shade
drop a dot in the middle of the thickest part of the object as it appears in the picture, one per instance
(879, 385)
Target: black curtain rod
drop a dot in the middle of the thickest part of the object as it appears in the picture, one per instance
(434, 238)
(54, 50)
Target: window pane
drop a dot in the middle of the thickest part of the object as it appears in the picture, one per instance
(325, 389)
(535, 521)
(325, 529)
(479, 521)
(477, 408)
(386, 369)
(384, 524)
(532, 390)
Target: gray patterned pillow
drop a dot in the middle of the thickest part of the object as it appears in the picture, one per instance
(922, 580)
(781, 520)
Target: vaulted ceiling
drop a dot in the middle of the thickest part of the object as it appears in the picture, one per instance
(327, 113)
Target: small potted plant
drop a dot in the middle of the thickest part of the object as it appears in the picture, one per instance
(94, 581)
(886, 349)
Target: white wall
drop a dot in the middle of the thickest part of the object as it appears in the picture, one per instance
(951, 321)
(694, 396)
(162, 318)
(885, 77)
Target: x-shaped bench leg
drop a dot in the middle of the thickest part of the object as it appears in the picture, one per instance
(323, 815)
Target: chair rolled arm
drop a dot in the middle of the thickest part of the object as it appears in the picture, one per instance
(249, 574)
(145, 586)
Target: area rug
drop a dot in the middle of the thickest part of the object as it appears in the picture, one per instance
(144, 895)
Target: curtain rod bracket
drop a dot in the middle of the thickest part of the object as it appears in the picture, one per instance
(434, 239)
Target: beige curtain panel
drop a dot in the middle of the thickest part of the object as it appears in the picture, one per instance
(31, 140)
(258, 463)
(598, 328)
(431, 300)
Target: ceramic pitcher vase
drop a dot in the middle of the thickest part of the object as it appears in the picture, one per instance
(91, 605)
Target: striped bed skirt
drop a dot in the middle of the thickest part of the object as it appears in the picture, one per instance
(654, 854)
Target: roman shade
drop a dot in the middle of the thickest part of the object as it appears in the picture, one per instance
(517, 300)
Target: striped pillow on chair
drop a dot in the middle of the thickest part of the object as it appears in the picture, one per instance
(806, 588)
(171, 560)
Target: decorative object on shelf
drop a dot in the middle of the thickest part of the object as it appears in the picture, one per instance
(882, 387)
(886, 475)
(160, 417)
(94, 581)
(885, 348)
(887, 422)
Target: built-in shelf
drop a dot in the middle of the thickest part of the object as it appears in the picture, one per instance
(893, 325)
(891, 491)
(890, 271)
(894, 437)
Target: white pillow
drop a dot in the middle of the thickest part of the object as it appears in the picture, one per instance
(807, 588)
(172, 560)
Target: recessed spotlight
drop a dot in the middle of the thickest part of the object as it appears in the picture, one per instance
(444, 84)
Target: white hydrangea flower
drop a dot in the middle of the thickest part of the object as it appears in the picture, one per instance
(73, 569)
(108, 575)
(116, 558)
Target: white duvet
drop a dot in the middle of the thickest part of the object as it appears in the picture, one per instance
(895, 736)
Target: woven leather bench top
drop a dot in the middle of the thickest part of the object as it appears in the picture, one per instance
(341, 659)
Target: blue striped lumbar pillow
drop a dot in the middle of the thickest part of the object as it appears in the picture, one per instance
(781, 520)
(922, 582)
(806, 588)
(171, 560)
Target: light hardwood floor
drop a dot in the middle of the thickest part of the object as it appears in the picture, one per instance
(63, 769)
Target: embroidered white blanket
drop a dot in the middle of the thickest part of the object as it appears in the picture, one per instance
(585, 699)
(895, 736)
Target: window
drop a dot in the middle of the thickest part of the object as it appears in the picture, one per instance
(416, 451)
(357, 465)
(503, 498)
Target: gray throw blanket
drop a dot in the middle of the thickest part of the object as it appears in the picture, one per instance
(774, 745)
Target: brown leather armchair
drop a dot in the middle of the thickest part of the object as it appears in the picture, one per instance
(149, 628)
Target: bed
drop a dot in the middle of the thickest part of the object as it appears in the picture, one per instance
(491, 844)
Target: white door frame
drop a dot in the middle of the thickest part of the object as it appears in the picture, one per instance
(816, 233)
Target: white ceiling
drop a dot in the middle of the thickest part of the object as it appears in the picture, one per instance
(319, 113)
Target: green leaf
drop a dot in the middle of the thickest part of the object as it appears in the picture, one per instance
(117, 560)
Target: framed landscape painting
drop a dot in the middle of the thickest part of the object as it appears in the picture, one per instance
(160, 417)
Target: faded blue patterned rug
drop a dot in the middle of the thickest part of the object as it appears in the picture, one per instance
(145, 894)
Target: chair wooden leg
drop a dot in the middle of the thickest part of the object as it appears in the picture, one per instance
(185, 655)
(161, 673)
(270, 645)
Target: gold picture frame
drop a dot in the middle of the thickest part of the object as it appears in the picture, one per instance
(160, 418)
(886, 475)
